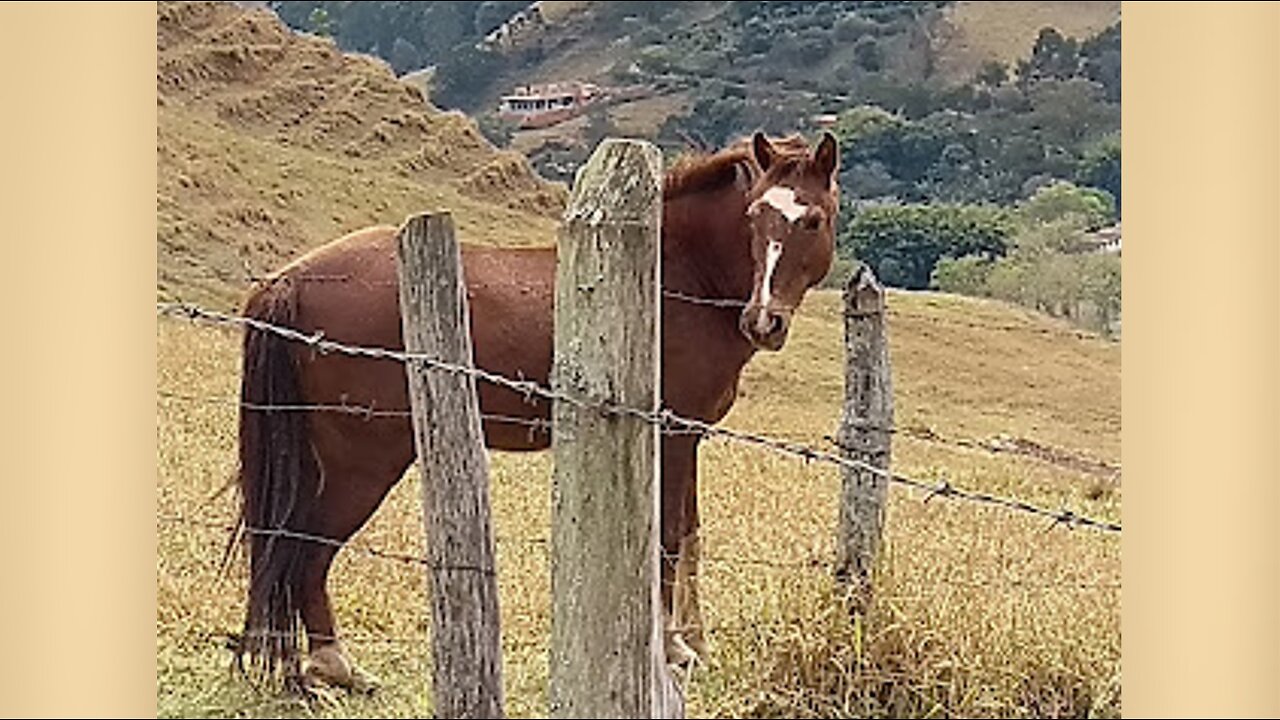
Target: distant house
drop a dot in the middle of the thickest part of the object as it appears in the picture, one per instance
(537, 106)
(826, 121)
(1105, 240)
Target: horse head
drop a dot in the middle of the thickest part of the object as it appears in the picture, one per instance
(791, 212)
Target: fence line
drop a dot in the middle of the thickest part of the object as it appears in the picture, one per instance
(813, 564)
(923, 434)
(663, 418)
(721, 302)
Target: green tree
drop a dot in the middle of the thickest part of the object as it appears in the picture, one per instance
(1082, 208)
(903, 244)
(1100, 278)
(1100, 167)
(319, 22)
(992, 74)
(868, 55)
(964, 276)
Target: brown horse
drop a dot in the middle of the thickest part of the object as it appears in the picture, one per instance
(752, 223)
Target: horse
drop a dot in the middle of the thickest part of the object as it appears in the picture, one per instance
(746, 232)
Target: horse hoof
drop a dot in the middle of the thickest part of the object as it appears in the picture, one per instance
(679, 654)
(330, 665)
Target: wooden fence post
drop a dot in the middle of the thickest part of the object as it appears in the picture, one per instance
(865, 431)
(465, 631)
(607, 656)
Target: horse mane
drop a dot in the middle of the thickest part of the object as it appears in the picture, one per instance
(699, 172)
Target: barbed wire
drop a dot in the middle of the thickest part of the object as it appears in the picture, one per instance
(816, 564)
(662, 418)
(1021, 447)
(1036, 452)
(721, 302)
(363, 411)
(727, 302)
(249, 277)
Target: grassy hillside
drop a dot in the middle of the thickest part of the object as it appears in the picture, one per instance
(270, 143)
(979, 612)
(975, 32)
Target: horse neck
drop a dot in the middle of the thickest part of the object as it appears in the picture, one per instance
(706, 254)
(706, 247)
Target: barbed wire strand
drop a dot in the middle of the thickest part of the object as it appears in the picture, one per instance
(720, 302)
(923, 434)
(821, 565)
(662, 418)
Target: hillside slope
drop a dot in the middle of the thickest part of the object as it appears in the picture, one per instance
(270, 143)
(976, 32)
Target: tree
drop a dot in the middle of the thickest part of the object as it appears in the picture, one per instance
(404, 56)
(964, 276)
(992, 74)
(466, 75)
(904, 243)
(1100, 278)
(319, 22)
(1100, 168)
(1081, 208)
(868, 55)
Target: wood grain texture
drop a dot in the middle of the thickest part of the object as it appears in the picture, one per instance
(865, 430)
(607, 657)
(465, 628)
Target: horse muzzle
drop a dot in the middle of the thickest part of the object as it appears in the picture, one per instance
(764, 327)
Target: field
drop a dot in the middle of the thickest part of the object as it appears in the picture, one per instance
(976, 32)
(978, 611)
(269, 143)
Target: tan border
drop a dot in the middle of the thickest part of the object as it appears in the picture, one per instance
(77, 518)
(1201, 359)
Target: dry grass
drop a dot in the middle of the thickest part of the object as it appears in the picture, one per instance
(975, 32)
(978, 612)
(270, 143)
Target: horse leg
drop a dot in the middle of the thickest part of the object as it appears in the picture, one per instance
(345, 505)
(687, 609)
(679, 453)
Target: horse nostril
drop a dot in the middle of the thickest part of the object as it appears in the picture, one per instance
(775, 324)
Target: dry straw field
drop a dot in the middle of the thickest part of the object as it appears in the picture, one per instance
(978, 611)
(270, 143)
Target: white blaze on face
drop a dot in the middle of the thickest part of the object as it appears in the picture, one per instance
(782, 199)
(772, 254)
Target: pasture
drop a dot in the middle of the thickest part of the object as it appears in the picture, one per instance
(978, 611)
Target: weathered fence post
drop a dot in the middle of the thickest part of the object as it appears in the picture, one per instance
(607, 657)
(465, 631)
(865, 430)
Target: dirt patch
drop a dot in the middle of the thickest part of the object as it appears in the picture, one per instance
(1024, 447)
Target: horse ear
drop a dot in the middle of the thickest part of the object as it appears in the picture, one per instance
(827, 157)
(763, 150)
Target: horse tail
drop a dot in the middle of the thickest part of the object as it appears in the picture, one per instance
(278, 484)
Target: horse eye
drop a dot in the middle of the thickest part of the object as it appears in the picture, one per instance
(810, 222)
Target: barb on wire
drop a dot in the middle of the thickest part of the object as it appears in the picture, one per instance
(364, 411)
(250, 277)
(332, 542)
(290, 534)
(808, 453)
(713, 302)
(662, 418)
